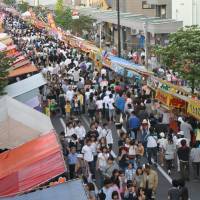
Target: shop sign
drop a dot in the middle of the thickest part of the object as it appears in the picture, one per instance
(163, 97)
(194, 108)
(176, 103)
(107, 62)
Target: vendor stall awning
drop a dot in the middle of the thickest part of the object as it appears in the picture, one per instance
(73, 189)
(23, 70)
(26, 85)
(20, 123)
(30, 165)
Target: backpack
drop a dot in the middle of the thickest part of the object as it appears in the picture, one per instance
(101, 195)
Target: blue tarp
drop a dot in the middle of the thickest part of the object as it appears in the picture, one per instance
(127, 63)
(72, 190)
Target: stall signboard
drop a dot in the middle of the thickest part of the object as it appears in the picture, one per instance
(176, 102)
(107, 62)
(194, 108)
(163, 97)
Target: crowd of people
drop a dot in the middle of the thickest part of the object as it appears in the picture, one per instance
(122, 168)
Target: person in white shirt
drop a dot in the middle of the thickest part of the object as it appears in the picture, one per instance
(105, 103)
(103, 71)
(69, 130)
(111, 108)
(151, 146)
(80, 132)
(89, 157)
(69, 94)
(99, 104)
(162, 142)
(107, 133)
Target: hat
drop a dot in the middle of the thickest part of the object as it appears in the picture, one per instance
(180, 133)
(180, 119)
(162, 135)
(144, 121)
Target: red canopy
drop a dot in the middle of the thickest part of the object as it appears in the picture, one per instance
(30, 165)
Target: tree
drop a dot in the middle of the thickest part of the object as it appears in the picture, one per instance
(5, 64)
(183, 54)
(83, 23)
(24, 6)
(10, 2)
(63, 16)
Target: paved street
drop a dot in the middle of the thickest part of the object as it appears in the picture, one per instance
(164, 183)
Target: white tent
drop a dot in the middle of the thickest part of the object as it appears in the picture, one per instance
(2, 47)
(20, 123)
(26, 91)
(26, 14)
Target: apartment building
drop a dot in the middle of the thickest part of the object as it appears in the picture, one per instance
(187, 11)
(151, 8)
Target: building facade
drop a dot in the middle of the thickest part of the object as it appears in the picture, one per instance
(187, 11)
(151, 8)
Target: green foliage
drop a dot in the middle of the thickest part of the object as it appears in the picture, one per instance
(63, 18)
(183, 54)
(10, 2)
(5, 64)
(24, 6)
(83, 23)
(63, 15)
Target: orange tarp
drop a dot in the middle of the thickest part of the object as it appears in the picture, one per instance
(22, 70)
(30, 165)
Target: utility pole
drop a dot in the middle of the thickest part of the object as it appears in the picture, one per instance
(118, 29)
(146, 42)
(100, 36)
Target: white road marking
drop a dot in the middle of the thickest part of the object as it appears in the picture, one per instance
(63, 125)
(86, 121)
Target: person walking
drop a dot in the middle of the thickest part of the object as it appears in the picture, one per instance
(173, 192)
(195, 159)
(151, 146)
(149, 182)
(133, 125)
(170, 149)
(184, 156)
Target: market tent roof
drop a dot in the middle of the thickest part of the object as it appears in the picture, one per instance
(2, 46)
(29, 68)
(26, 85)
(72, 189)
(30, 165)
(134, 21)
(20, 123)
(128, 65)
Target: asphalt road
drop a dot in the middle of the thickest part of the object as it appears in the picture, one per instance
(164, 180)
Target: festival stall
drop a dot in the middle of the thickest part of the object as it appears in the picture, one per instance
(68, 189)
(27, 90)
(5, 39)
(171, 96)
(18, 123)
(23, 70)
(193, 108)
(34, 163)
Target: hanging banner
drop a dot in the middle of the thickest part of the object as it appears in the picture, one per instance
(163, 97)
(194, 109)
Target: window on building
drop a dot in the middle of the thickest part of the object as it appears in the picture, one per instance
(146, 5)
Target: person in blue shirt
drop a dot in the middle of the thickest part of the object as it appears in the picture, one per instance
(120, 103)
(133, 125)
(72, 162)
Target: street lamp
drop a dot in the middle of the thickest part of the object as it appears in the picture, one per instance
(119, 29)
